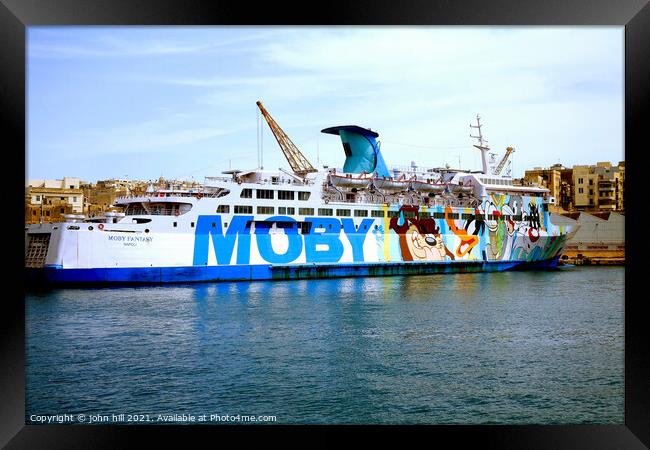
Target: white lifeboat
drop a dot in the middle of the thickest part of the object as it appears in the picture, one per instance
(389, 184)
(348, 181)
(424, 186)
(459, 188)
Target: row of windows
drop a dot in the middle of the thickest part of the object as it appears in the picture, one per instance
(328, 212)
(497, 181)
(268, 194)
(38, 198)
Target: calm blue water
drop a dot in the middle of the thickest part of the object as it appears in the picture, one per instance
(512, 347)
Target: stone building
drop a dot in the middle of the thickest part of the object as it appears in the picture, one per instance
(50, 200)
(597, 187)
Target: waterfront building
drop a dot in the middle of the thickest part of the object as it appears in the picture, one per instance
(599, 187)
(50, 200)
(594, 188)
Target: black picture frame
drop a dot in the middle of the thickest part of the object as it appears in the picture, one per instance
(634, 15)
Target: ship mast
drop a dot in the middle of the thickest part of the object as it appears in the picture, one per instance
(482, 144)
(299, 164)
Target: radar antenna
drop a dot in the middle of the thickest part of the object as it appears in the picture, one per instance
(299, 164)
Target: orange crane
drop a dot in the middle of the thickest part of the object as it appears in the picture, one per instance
(299, 164)
(502, 163)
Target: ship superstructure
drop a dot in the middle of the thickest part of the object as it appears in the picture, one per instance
(360, 219)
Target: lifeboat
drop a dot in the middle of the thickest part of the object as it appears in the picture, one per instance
(457, 188)
(348, 181)
(389, 184)
(423, 186)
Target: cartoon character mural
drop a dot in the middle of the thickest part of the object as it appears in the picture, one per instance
(419, 238)
(467, 241)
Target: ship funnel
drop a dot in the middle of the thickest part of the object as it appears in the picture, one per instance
(361, 149)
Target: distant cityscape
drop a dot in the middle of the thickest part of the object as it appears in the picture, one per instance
(589, 188)
(51, 200)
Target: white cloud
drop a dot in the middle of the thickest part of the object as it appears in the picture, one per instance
(548, 91)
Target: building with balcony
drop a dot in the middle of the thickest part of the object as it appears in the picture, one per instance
(597, 187)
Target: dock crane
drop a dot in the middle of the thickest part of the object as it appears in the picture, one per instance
(503, 161)
(299, 164)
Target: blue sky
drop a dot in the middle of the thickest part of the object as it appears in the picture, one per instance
(141, 102)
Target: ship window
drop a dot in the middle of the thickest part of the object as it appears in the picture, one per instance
(175, 224)
(286, 195)
(375, 213)
(243, 209)
(325, 212)
(304, 227)
(360, 213)
(246, 193)
(192, 225)
(306, 211)
(285, 210)
(453, 215)
(214, 225)
(467, 216)
(223, 209)
(409, 214)
(425, 215)
(343, 212)
(303, 195)
(265, 209)
(393, 213)
(265, 193)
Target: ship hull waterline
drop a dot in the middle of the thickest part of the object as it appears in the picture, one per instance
(191, 274)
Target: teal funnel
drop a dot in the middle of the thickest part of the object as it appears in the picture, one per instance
(361, 150)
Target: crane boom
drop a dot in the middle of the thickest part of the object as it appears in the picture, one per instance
(299, 164)
(502, 163)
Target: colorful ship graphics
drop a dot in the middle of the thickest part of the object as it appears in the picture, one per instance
(360, 220)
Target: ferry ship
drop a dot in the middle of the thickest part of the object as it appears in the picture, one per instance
(363, 219)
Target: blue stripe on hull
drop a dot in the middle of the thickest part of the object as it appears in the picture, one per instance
(148, 275)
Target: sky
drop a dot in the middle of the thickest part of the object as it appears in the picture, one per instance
(179, 102)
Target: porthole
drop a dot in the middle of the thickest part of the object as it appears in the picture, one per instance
(146, 230)
(90, 228)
